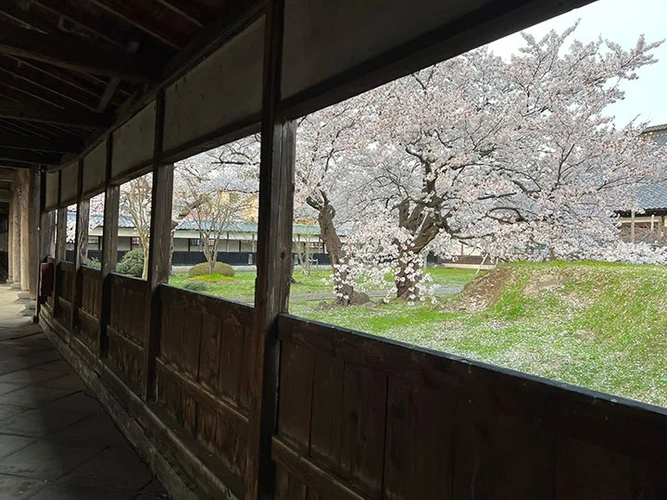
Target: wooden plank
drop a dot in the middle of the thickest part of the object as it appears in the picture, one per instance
(363, 429)
(69, 53)
(319, 480)
(288, 487)
(587, 472)
(419, 444)
(581, 413)
(232, 357)
(296, 395)
(327, 412)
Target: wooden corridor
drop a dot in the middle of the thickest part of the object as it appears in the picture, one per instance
(56, 442)
(226, 400)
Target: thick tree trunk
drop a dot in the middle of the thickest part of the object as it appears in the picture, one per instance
(346, 293)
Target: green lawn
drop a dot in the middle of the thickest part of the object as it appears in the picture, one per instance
(242, 286)
(602, 326)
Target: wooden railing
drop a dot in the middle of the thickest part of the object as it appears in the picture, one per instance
(127, 327)
(365, 418)
(202, 370)
(90, 310)
(65, 282)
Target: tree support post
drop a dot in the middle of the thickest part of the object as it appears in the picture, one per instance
(158, 252)
(274, 261)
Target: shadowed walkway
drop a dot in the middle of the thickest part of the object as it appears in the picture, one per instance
(55, 440)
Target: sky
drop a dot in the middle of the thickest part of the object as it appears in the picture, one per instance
(621, 21)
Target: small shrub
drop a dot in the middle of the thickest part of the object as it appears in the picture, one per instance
(204, 268)
(132, 263)
(196, 286)
(94, 263)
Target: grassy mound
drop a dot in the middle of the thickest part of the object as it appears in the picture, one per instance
(204, 269)
(597, 325)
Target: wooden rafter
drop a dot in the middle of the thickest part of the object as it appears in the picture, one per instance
(186, 10)
(55, 91)
(68, 52)
(22, 17)
(67, 11)
(16, 141)
(129, 16)
(29, 157)
(53, 116)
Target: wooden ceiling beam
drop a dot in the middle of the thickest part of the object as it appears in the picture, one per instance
(22, 17)
(68, 52)
(15, 141)
(71, 118)
(128, 16)
(186, 10)
(28, 157)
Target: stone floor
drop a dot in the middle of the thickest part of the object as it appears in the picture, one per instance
(56, 442)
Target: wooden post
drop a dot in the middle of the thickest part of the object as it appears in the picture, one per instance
(109, 257)
(61, 245)
(632, 226)
(34, 211)
(16, 234)
(25, 229)
(274, 262)
(10, 242)
(158, 252)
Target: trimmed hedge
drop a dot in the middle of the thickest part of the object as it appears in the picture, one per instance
(204, 268)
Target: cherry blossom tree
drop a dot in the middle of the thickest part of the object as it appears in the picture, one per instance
(216, 188)
(516, 157)
(327, 187)
(135, 201)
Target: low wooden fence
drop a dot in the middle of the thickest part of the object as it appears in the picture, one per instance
(364, 418)
(202, 370)
(127, 327)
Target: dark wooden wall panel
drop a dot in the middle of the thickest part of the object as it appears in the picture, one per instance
(126, 329)
(91, 307)
(201, 370)
(65, 281)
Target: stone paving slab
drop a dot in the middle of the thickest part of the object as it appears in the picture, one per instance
(56, 442)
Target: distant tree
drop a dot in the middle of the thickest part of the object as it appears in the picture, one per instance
(216, 188)
(135, 202)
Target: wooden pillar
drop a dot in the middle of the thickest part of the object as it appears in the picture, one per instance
(80, 249)
(109, 257)
(24, 205)
(632, 226)
(274, 261)
(10, 242)
(34, 211)
(61, 245)
(159, 252)
(16, 234)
